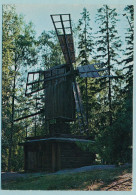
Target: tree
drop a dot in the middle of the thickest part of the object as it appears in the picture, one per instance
(129, 50)
(18, 42)
(114, 141)
(108, 51)
(49, 50)
(85, 48)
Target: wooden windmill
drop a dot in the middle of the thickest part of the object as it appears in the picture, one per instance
(62, 100)
(62, 93)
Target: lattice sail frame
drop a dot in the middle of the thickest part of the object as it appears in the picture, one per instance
(39, 80)
(63, 28)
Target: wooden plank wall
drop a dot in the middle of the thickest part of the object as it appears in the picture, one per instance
(38, 157)
(72, 156)
(55, 156)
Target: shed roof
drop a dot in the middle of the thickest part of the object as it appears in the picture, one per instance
(57, 139)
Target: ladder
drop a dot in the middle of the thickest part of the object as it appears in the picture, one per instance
(79, 107)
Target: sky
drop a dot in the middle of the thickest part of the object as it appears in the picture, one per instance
(39, 14)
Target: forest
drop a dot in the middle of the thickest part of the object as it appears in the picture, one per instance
(107, 101)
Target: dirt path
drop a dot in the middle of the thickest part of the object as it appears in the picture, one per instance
(9, 176)
(124, 183)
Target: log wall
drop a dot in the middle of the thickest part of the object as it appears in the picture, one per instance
(53, 156)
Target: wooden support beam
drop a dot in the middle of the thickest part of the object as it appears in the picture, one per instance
(31, 115)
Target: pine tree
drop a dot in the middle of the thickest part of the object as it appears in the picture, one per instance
(109, 49)
(85, 49)
(129, 13)
(108, 46)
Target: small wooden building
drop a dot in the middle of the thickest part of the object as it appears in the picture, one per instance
(55, 153)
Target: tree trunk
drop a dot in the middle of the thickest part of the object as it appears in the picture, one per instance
(12, 123)
(109, 69)
(86, 80)
(86, 83)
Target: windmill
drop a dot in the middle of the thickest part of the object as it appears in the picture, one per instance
(61, 91)
(58, 149)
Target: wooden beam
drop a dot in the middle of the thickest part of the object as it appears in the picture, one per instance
(31, 115)
(51, 78)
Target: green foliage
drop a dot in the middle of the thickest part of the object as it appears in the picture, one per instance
(49, 50)
(108, 46)
(114, 144)
(85, 43)
(85, 38)
(89, 146)
(17, 52)
(85, 50)
(129, 50)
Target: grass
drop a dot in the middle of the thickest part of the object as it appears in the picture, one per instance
(75, 181)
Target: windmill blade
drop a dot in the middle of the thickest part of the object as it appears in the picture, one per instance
(91, 71)
(79, 108)
(88, 71)
(63, 28)
(35, 82)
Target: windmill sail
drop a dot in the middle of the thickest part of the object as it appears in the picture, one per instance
(35, 82)
(88, 71)
(63, 28)
(91, 71)
(79, 107)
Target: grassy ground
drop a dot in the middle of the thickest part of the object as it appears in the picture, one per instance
(92, 180)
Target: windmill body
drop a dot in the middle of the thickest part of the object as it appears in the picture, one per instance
(59, 97)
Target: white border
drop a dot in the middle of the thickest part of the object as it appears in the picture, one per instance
(123, 2)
